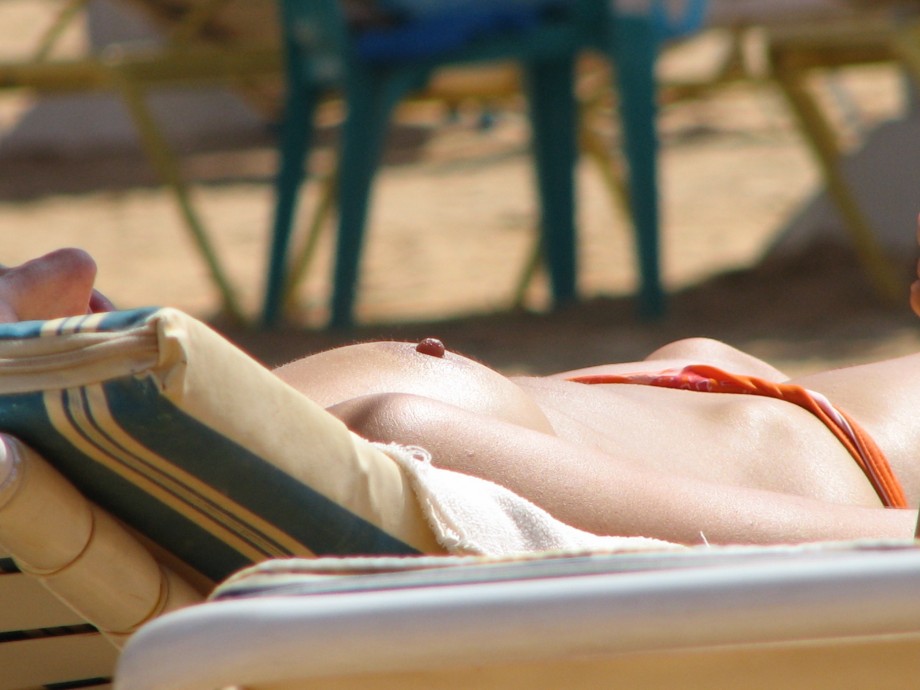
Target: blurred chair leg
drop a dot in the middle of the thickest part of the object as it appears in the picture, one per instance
(371, 98)
(634, 51)
(167, 167)
(64, 17)
(597, 150)
(593, 146)
(554, 119)
(822, 140)
(906, 46)
(318, 222)
(528, 273)
(296, 134)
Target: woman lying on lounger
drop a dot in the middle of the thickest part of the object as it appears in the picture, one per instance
(781, 465)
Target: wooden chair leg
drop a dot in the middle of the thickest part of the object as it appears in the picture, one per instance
(167, 167)
(318, 223)
(822, 140)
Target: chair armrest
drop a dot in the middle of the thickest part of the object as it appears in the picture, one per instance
(78, 551)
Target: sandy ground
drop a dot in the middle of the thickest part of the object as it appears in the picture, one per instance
(452, 226)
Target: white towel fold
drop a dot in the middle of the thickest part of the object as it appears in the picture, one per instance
(470, 515)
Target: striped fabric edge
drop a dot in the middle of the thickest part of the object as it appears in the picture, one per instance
(209, 500)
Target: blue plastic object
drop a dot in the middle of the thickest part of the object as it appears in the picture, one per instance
(442, 32)
(374, 70)
(424, 9)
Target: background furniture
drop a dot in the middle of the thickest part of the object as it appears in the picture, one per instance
(205, 42)
(799, 48)
(795, 55)
(74, 582)
(375, 69)
(807, 618)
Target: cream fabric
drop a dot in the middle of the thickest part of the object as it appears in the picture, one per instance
(163, 423)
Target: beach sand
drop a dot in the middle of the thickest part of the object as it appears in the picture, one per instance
(452, 226)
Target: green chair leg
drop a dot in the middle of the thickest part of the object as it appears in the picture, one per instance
(375, 72)
(370, 103)
(296, 135)
(554, 119)
(635, 50)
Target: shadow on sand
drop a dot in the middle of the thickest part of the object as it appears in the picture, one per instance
(812, 307)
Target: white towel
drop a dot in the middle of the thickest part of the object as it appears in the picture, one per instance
(474, 516)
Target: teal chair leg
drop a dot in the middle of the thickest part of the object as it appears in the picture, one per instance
(634, 51)
(295, 144)
(370, 100)
(553, 116)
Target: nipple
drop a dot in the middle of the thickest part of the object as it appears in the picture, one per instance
(431, 346)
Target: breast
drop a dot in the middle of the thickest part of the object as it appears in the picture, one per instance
(347, 373)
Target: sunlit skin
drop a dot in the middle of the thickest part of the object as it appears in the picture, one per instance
(611, 459)
(915, 286)
(54, 285)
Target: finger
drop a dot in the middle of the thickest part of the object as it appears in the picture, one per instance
(915, 297)
(100, 303)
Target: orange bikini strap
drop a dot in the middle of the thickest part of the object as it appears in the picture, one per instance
(854, 438)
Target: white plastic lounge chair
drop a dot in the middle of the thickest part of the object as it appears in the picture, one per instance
(42, 641)
(832, 616)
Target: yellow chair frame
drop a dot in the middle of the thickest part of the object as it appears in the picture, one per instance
(796, 54)
(194, 53)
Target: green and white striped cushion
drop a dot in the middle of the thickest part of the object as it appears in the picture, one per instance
(175, 431)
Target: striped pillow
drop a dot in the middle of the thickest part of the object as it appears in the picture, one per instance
(175, 431)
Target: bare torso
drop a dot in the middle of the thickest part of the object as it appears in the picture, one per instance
(609, 459)
(735, 440)
(732, 440)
